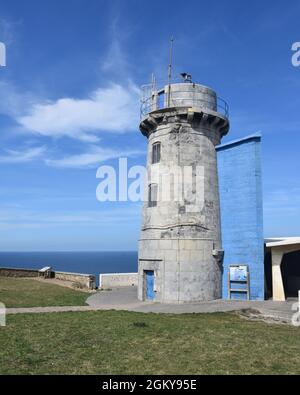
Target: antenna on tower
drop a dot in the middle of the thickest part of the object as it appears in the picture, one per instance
(171, 60)
(170, 69)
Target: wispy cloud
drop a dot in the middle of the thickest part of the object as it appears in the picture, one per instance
(283, 203)
(282, 212)
(13, 103)
(248, 124)
(7, 30)
(111, 109)
(20, 218)
(91, 158)
(28, 155)
(115, 62)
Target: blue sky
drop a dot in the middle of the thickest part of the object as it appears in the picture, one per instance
(69, 103)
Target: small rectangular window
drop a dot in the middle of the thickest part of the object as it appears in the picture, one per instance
(155, 153)
(161, 100)
(152, 195)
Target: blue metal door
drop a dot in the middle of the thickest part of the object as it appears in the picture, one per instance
(150, 284)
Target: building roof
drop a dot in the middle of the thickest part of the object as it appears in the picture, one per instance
(252, 137)
(280, 241)
(45, 269)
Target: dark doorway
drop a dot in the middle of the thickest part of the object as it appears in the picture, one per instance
(268, 275)
(290, 271)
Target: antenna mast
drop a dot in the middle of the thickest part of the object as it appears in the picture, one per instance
(170, 70)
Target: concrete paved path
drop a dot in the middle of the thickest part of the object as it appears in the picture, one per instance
(126, 299)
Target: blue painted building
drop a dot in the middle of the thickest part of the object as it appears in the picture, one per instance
(240, 185)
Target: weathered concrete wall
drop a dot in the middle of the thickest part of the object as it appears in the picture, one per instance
(118, 280)
(240, 178)
(191, 95)
(180, 238)
(11, 272)
(82, 281)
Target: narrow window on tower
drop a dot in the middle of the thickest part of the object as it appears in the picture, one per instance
(155, 153)
(152, 195)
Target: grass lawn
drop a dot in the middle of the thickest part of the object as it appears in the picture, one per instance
(114, 342)
(19, 292)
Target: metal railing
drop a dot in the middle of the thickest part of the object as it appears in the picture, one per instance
(151, 100)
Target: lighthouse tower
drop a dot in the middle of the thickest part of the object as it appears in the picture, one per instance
(180, 250)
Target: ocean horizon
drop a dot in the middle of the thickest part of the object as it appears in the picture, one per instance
(87, 262)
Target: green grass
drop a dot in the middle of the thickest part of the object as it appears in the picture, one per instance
(111, 342)
(19, 292)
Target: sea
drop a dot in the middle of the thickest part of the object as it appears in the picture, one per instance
(75, 262)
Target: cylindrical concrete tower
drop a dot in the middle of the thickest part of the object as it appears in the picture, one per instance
(180, 252)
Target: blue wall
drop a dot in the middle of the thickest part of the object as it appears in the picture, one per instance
(240, 183)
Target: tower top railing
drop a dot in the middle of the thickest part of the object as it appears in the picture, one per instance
(153, 99)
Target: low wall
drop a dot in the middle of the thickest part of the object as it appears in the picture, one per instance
(118, 280)
(11, 272)
(78, 280)
(82, 281)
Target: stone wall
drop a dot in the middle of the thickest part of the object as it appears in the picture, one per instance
(118, 280)
(82, 281)
(12, 272)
